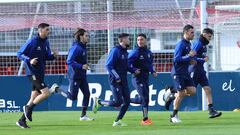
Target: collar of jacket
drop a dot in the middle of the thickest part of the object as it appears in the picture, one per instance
(41, 39)
(80, 44)
(203, 40)
(120, 47)
(186, 40)
(142, 48)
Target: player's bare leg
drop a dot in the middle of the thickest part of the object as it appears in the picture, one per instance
(22, 121)
(189, 91)
(34, 94)
(35, 99)
(212, 113)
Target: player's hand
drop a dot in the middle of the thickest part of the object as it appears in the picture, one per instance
(192, 53)
(34, 61)
(206, 59)
(193, 62)
(137, 72)
(155, 74)
(55, 53)
(85, 66)
(118, 81)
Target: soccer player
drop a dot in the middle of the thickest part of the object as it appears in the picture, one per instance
(77, 67)
(35, 52)
(141, 58)
(183, 83)
(199, 74)
(117, 66)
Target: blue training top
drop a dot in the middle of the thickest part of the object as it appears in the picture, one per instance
(35, 48)
(117, 63)
(200, 46)
(77, 57)
(141, 58)
(181, 59)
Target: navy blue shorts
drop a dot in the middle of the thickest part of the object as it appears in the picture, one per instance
(200, 78)
(37, 83)
(181, 82)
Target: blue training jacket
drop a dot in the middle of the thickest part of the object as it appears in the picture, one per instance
(200, 46)
(141, 58)
(181, 59)
(117, 63)
(35, 48)
(77, 57)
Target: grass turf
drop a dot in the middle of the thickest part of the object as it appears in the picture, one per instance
(67, 123)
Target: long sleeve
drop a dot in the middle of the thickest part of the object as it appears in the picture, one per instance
(49, 55)
(132, 57)
(151, 67)
(196, 46)
(111, 61)
(73, 53)
(22, 53)
(201, 60)
(178, 55)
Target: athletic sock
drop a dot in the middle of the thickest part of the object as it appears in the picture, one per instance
(31, 106)
(210, 107)
(84, 111)
(174, 112)
(145, 112)
(23, 118)
(117, 120)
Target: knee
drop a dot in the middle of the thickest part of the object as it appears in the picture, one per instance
(192, 91)
(127, 102)
(72, 97)
(119, 103)
(46, 93)
(180, 94)
(207, 90)
(86, 94)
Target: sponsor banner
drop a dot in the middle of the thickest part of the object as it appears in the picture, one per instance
(15, 92)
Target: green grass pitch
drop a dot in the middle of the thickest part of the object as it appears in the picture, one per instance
(67, 123)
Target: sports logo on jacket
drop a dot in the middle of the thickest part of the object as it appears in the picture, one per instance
(204, 54)
(38, 48)
(141, 57)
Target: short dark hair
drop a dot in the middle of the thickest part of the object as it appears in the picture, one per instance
(142, 35)
(43, 25)
(208, 31)
(122, 35)
(187, 27)
(79, 32)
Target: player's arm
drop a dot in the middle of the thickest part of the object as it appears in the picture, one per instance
(22, 53)
(51, 55)
(72, 54)
(151, 67)
(178, 54)
(111, 61)
(195, 47)
(132, 57)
